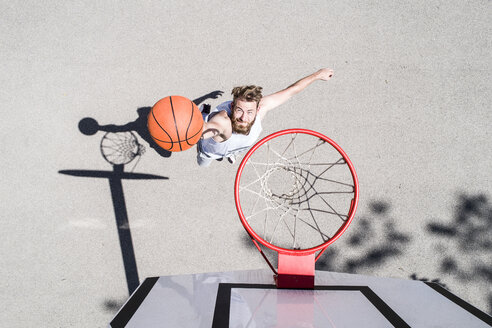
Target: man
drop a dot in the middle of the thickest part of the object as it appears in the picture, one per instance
(234, 126)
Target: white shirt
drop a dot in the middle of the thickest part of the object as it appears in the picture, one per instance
(235, 144)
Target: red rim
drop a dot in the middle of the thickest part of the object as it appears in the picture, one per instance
(340, 231)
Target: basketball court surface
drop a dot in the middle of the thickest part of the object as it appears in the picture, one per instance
(82, 229)
(250, 299)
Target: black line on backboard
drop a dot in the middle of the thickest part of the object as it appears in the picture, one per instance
(223, 302)
(458, 301)
(134, 302)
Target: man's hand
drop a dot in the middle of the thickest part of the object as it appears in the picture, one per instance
(324, 74)
(278, 98)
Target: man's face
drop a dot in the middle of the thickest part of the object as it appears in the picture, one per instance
(243, 116)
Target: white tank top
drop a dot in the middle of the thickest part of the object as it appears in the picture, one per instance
(235, 144)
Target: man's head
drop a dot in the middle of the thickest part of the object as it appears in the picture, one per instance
(245, 107)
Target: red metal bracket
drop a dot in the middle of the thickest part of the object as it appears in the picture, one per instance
(295, 271)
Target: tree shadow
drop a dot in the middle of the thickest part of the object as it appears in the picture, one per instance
(112, 305)
(374, 240)
(270, 256)
(414, 276)
(90, 126)
(465, 242)
(247, 242)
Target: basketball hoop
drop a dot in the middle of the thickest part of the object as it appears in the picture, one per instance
(296, 192)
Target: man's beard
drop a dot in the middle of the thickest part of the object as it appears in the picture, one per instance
(240, 127)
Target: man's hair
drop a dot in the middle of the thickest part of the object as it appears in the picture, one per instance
(248, 93)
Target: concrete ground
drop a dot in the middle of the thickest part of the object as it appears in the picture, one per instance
(409, 103)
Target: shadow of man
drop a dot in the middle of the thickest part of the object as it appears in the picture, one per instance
(90, 126)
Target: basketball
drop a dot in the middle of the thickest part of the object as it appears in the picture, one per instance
(175, 123)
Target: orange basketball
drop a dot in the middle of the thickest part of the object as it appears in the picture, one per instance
(175, 123)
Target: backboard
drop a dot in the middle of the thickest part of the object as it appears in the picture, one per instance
(250, 299)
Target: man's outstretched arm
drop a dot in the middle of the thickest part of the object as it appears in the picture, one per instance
(276, 99)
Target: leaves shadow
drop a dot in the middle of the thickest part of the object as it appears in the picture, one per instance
(375, 239)
(465, 241)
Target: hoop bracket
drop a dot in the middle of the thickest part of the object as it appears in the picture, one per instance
(295, 271)
(264, 256)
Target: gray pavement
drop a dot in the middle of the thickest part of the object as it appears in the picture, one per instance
(409, 103)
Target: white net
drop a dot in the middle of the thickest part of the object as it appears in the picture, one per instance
(295, 191)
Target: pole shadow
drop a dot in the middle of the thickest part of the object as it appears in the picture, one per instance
(122, 224)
